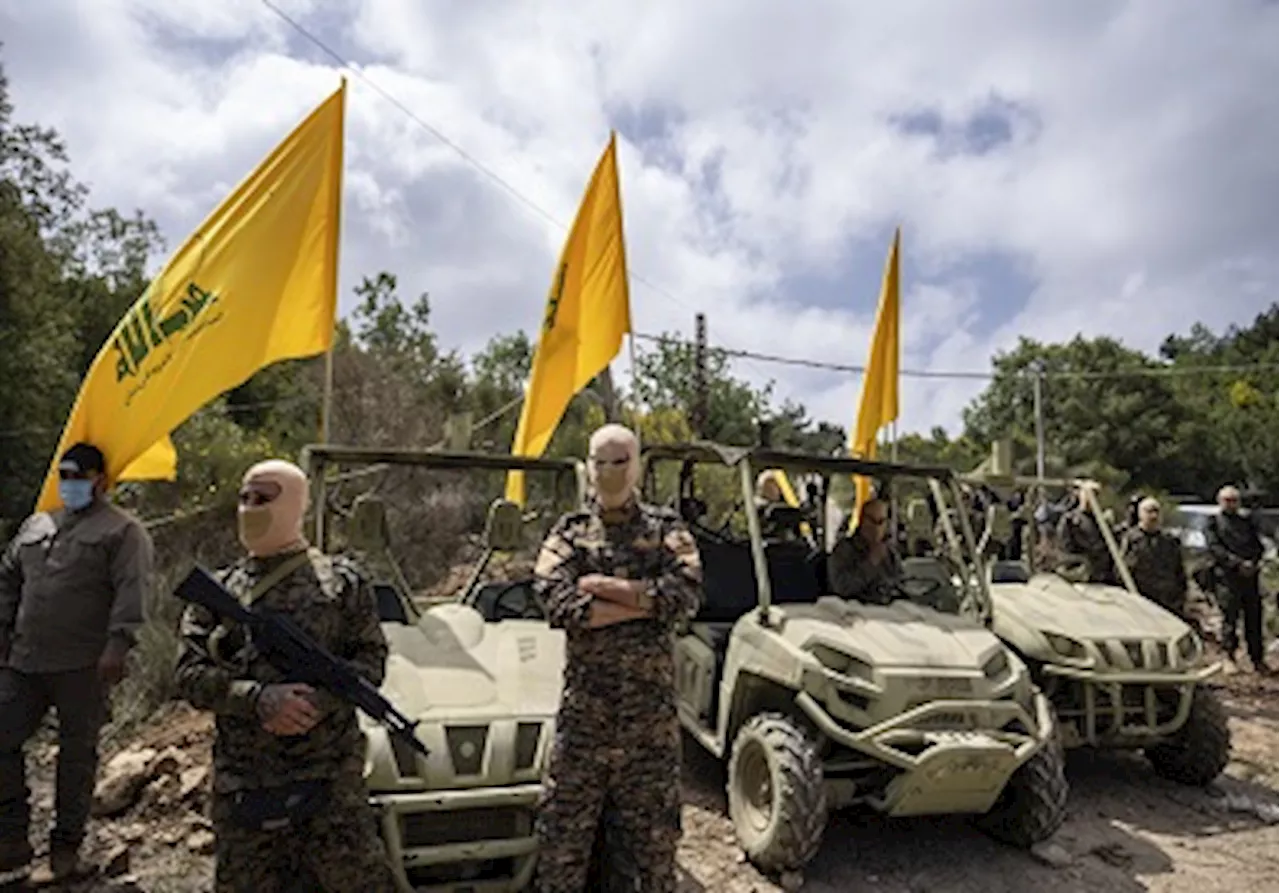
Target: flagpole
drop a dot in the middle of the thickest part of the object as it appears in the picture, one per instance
(326, 401)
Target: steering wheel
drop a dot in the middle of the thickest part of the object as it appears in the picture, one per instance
(517, 601)
(919, 589)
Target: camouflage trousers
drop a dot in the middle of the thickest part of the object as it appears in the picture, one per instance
(628, 762)
(338, 850)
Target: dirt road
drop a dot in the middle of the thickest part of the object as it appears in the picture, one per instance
(1127, 830)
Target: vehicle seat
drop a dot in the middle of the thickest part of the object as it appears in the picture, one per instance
(390, 608)
(1009, 572)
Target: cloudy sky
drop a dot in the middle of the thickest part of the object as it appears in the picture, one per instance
(1098, 166)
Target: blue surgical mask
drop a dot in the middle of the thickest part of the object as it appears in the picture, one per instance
(76, 494)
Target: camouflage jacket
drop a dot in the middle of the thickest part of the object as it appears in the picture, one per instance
(1078, 535)
(639, 542)
(1155, 561)
(852, 575)
(219, 669)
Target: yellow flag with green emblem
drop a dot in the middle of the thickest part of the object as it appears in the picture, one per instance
(588, 311)
(254, 285)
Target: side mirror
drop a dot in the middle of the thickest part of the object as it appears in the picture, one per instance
(504, 531)
(367, 529)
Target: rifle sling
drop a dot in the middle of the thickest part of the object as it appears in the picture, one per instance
(260, 588)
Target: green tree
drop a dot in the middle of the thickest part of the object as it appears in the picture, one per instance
(1093, 410)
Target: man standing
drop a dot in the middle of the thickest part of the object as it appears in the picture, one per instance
(863, 566)
(1237, 549)
(617, 577)
(72, 586)
(289, 797)
(1155, 559)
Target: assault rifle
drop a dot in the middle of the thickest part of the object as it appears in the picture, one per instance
(284, 645)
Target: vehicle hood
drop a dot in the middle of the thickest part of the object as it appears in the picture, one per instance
(452, 664)
(1050, 603)
(899, 634)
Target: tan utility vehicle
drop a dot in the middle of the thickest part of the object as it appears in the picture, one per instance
(816, 702)
(1122, 671)
(479, 668)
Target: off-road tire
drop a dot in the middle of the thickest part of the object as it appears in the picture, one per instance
(1198, 752)
(1033, 804)
(777, 795)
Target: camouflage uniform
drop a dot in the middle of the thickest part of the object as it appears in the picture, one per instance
(617, 732)
(852, 574)
(1079, 536)
(1155, 561)
(218, 671)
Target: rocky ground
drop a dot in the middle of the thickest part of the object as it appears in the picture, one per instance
(1127, 830)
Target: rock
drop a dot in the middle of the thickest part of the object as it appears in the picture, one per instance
(1052, 854)
(192, 780)
(122, 779)
(116, 862)
(201, 842)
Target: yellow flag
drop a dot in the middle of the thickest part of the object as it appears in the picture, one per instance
(879, 404)
(588, 311)
(255, 284)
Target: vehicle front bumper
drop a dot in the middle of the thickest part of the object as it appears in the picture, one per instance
(460, 832)
(946, 771)
(1121, 708)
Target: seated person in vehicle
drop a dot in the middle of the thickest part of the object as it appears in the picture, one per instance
(863, 566)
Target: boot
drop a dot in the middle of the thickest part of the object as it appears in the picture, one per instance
(64, 864)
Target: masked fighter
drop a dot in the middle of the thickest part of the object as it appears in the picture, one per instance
(617, 577)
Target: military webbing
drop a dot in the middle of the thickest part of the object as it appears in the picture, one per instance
(260, 588)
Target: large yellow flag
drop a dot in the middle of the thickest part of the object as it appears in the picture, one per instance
(588, 311)
(255, 284)
(879, 404)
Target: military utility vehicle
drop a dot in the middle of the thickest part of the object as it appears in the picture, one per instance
(479, 668)
(1122, 671)
(817, 703)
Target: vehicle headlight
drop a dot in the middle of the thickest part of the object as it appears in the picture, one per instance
(839, 662)
(996, 667)
(1188, 648)
(1067, 646)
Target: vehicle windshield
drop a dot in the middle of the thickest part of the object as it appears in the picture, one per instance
(798, 506)
(420, 524)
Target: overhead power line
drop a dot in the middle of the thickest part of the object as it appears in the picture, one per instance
(747, 355)
(1134, 372)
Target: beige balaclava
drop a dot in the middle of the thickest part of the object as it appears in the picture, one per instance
(1149, 514)
(767, 487)
(613, 465)
(274, 526)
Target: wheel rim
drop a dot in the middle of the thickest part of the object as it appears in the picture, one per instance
(755, 787)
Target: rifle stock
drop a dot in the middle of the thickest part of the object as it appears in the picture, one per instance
(289, 649)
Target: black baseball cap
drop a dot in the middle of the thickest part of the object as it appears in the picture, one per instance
(82, 458)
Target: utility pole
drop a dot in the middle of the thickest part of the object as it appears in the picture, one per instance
(1037, 385)
(700, 376)
(608, 396)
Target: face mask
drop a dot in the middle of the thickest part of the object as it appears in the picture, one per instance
(254, 524)
(76, 494)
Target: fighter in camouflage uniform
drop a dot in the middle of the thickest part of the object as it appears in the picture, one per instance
(1079, 537)
(864, 566)
(617, 577)
(1155, 559)
(289, 803)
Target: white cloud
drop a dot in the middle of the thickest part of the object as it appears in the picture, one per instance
(1136, 188)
